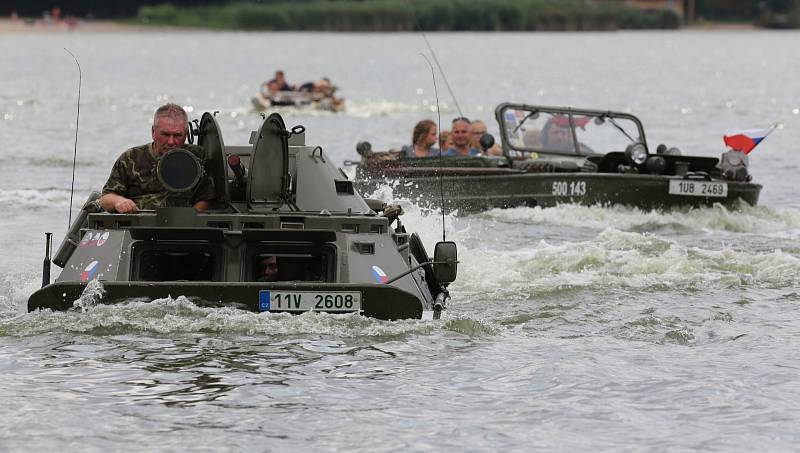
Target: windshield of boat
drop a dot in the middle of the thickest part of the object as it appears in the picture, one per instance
(530, 129)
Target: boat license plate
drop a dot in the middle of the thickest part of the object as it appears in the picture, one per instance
(698, 188)
(299, 301)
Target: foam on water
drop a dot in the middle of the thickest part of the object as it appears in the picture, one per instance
(366, 108)
(761, 220)
(356, 108)
(49, 162)
(181, 315)
(620, 259)
(631, 248)
(744, 219)
(31, 198)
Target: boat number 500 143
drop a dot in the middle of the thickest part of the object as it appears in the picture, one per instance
(574, 188)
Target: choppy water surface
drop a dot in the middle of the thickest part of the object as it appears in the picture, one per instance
(571, 329)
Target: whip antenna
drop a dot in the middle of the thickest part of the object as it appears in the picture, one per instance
(439, 128)
(75, 153)
(444, 77)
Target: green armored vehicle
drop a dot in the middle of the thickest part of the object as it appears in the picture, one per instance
(553, 155)
(287, 233)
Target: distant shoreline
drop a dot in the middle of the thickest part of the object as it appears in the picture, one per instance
(39, 26)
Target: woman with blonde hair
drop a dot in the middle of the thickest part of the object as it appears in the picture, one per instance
(422, 140)
(445, 140)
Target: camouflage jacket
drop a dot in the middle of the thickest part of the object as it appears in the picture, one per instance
(134, 176)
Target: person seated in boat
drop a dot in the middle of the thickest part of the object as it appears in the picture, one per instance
(532, 138)
(461, 135)
(422, 140)
(267, 269)
(322, 93)
(133, 184)
(445, 140)
(278, 83)
(322, 86)
(477, 130)
(265, 96)
(556, 135)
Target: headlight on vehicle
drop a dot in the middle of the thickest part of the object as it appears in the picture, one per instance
(636, 153)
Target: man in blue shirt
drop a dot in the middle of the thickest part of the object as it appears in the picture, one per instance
(460, 131)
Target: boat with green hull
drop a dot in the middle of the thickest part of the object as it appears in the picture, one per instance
(287, 232)
(555, 155)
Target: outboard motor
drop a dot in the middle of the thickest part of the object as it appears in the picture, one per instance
(734, 165)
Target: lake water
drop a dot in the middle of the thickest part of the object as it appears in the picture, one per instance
(570, 329)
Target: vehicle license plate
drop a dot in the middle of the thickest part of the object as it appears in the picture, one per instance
(332, 301)
(698, 188)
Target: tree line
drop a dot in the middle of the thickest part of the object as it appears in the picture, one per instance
(409, 15)
(432, 14)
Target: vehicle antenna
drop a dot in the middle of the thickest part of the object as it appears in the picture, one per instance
(444, 77)
(438, 128)
(75, 153)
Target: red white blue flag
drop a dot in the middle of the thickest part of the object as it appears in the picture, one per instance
(379, 274)
(746, 140)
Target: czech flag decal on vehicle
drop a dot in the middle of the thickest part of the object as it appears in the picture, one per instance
(379, 274)
(89, 271)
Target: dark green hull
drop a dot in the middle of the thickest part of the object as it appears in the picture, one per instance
(555, 155)
(472, 193)
(377, 301)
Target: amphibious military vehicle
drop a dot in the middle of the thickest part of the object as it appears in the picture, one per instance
(553, 155)
(287, 233)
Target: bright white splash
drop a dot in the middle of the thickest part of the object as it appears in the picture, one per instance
(618, 259)
(746, 219)
(92, 295)
(179, 314)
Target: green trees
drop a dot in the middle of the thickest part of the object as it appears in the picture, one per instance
(409, 15)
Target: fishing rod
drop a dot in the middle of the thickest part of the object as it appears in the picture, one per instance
(439, 128)
(75, 153)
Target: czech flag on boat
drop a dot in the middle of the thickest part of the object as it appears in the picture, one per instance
(746, 140)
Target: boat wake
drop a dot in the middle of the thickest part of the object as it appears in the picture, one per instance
(745, 219)
(619, 259)
(180, 315)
